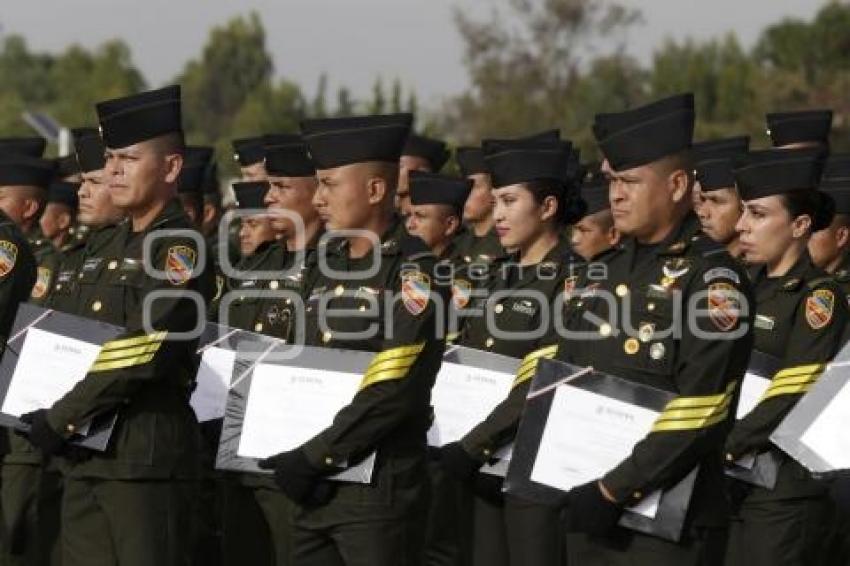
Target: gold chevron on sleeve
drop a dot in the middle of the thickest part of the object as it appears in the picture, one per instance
(529, 364)
(128, 352)
(691, 413)
(793, 381)
(391, 364)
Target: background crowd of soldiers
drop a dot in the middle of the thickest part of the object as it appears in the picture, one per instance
(760, 235)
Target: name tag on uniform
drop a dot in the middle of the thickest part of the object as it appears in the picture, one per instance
(765, 322)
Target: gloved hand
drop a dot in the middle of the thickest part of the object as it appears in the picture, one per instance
(41, 434)
(457, 462)
(295, 477)
(590, 511)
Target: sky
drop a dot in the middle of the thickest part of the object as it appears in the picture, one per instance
(353, 41)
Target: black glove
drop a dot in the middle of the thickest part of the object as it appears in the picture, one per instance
(41, 434)
(295, 477)
(457, 462)
(590, 512)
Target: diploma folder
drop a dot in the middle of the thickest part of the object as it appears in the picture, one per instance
(96, 435)
(763, 471)
(669, 519)
(254, 350)
(816, 433)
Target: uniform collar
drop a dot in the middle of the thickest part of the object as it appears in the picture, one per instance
(796, 276)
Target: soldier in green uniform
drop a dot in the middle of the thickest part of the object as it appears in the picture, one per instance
(800, 319)
(594, 234)
(381, 523)
(720, 206)
(534, 199)
(249, 154)
(420, 153)
(829, 247)
(630, 329)
(478, 243)
(800, 129)
(436, 211)
(19, 531)
(56, 222)
(191, 186)
(132, 504)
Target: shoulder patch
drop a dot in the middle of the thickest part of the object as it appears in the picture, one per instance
(820, 306)
(42, 283)
(461, 293)
(721, 273)
(570, 287)
(724, 305)
(179, 264)
(8, 257)
(415, 291)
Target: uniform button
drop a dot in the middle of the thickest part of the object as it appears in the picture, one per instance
(71, 429)
(339, 290)
(112, 264)
(273, 285)
(621, 290)
(637, 495)
(645, 333)
(123, 278)
(650, 307)
(579, 303)
(80, 276)
(605, 329)
(329, 461)
(656, 351)
(326, 337)
(486, 452)
(631, 346)
(499, 308)
(730, 458)
(489, 342)
(258, 327)
(288, 301)
(58, 286)
(96, 306)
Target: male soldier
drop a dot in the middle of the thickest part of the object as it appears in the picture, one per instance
(420, 153)
(17, 277)
(190, 187)
(436, 211)
(57, 226)
(380, 523)
(794, 130)
(828, 247)
(478, 243)
(595, 234)
(721, 205)
(132, 503)
(249, 154)
(664, 266)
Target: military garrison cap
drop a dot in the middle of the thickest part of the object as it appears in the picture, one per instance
(334, 142)
(140, 117)
(89, 148)
(63, 192)
(67, 166)
(210, 184)
(434, 188)
(195, 165)
(522, 160)
(716, 161)
(34, 147)
(287, 156)
(250, 194)
(777, 171)
(25, 170)
(594, 191)
(646, 134)
(432, 150)
(470, 160)
(248, 151)
(808, 126)
(836, 181)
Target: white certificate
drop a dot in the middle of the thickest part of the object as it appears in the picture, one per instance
(462, 397)
(213, 381)
(48, 367)
(288, 406)
(752, 389)
(586, 436)
(829, 434)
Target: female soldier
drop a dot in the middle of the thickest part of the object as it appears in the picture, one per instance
(800, 317)
(534, 199)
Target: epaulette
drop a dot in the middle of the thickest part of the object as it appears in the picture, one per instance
(819, 281)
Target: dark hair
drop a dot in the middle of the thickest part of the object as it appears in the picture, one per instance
(570, 205)
(817, 205)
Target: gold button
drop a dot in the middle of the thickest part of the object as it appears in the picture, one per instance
(96, 306)
(467, 259)
(258, 327)
(605, 329)
(58, 286)
(326, 337)
(621, 290)
(339, 290)
(631, 346)
(329, 461)
(730, 458)
(112, 264)
(71, 429)
(667, 281)
(288, 301)
(637, 495)
(650, 307)
(273, 285)
(499, 308)
(489, 342)
(486, 452)
(80, 276)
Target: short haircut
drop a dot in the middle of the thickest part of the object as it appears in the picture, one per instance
(170, 143)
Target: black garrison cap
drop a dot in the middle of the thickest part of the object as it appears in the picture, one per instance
(140, 117)
(716, 161)
(287, 156)
(334, 142)
(88, 146)
(432, 150)
(434, 188)
(522, 160)
(63, 192)
(806, 126)
(251, 194)
(777, 171)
